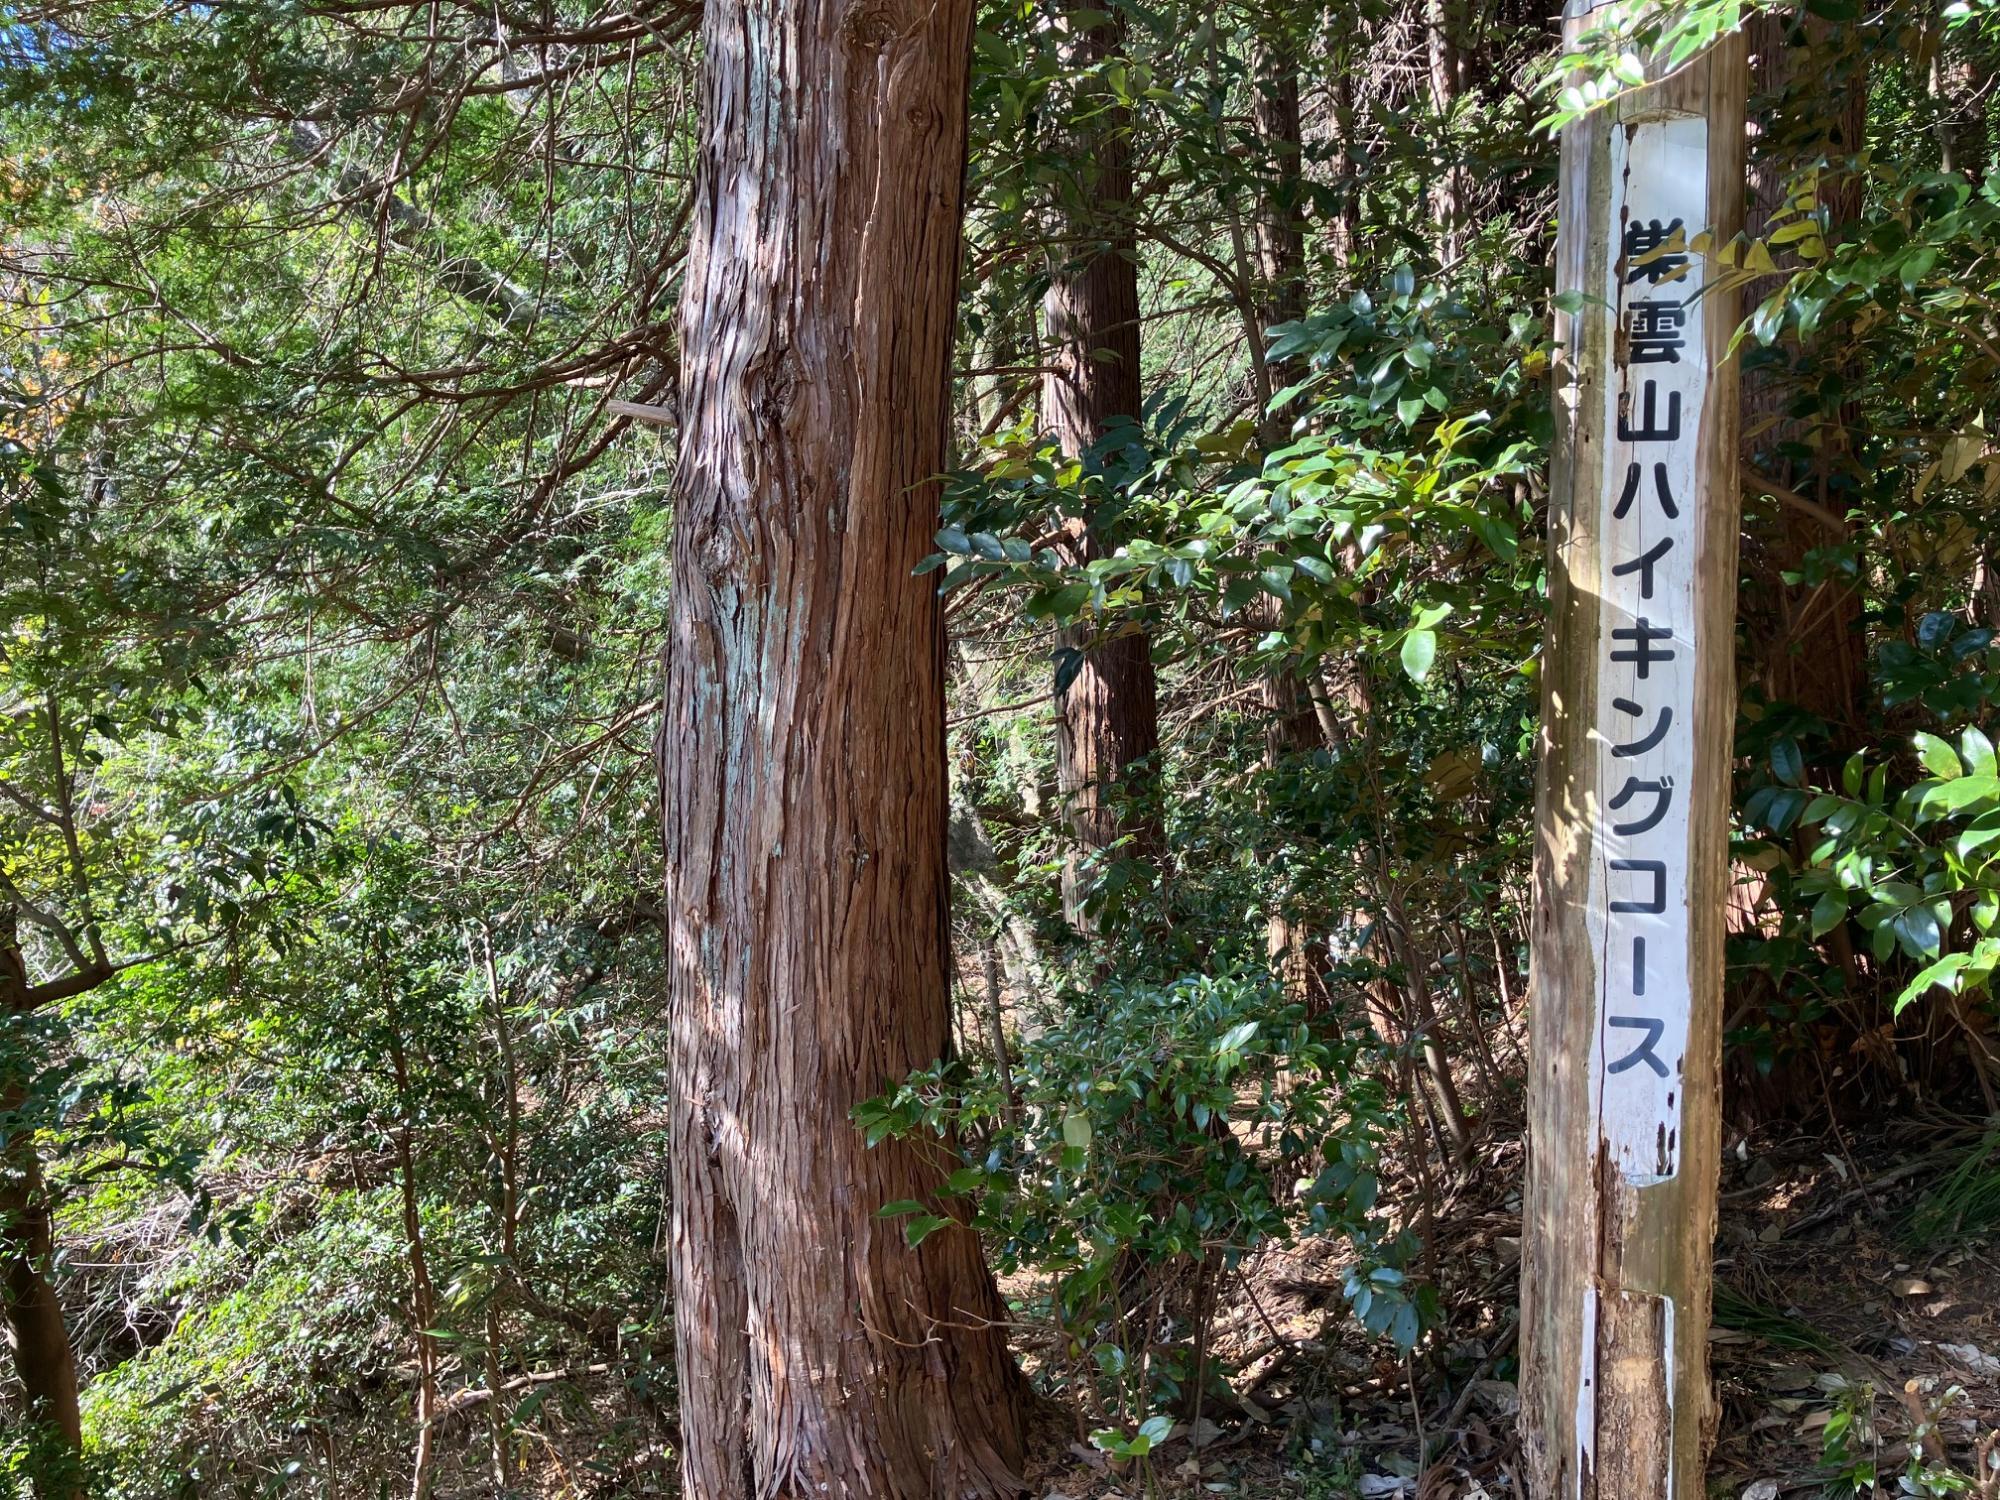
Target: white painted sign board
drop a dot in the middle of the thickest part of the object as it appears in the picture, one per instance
(1649, 519)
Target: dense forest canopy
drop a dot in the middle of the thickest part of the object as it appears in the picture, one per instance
(367, 551)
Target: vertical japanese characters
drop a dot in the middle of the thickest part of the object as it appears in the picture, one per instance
(1649, 520)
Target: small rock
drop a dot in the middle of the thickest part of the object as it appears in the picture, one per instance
(1911, 1286)
(1762, 1489)
(1787, 1378)
(1972, 1357)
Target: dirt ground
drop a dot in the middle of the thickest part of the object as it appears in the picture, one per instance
(1856, 1335)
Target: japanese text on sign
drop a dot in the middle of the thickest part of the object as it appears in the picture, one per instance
(1649, 508)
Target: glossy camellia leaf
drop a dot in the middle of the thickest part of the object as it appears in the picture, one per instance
(1418, 653)
(1938, 757)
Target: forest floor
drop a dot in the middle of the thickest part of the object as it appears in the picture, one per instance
(1850, 1307)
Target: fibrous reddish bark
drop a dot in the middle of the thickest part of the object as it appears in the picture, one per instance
(1274, 113)
(1108, 718)
(803, 770)
(1281, 245)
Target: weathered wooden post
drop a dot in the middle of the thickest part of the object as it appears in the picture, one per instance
(1631, 852)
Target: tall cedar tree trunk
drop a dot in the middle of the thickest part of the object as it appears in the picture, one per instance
(803, 772)
(1289, 723)
(1442, 74)
(1108, 719)
(1957, 97)
(1281, 246)
(1805, 640)
(34, 1320)
(1803, 643)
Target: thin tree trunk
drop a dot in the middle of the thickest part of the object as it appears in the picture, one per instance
(996, 1024)
(972, 858)
(43, 1360)
(1107, 721)
(1288, 721)
(1107, 729)
(1447, 191)
(496, 1414)
(1422, 1019)
(1400, 1013)
(423, 1296)
(1290, 726)
(1345, 228)
(803, 772)
(1482, 1051)
(506, 1147)
(35, 1330)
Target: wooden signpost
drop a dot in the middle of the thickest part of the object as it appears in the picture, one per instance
(1631, 855)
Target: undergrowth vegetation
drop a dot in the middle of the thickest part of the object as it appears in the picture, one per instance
(338, 360)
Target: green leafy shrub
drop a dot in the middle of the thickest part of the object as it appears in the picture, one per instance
(1915, 868)
(1154, 1139)
(1903, 856)
(276, 1339)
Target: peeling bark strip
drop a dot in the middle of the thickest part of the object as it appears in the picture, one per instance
(802, 769)
(1631, 864)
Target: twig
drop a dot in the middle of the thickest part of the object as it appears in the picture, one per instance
(1497, 1353)
(1798, 502)
(641, 411)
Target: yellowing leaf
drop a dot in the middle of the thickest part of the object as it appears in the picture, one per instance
(1961, 452)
